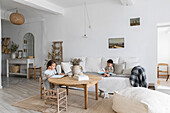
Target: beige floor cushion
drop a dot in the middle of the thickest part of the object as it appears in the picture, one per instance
(141, 100)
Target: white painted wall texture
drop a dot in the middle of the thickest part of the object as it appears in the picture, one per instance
(0, 51)
(108, 19)
(16, 33)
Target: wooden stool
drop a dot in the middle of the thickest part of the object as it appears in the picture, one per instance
(34, 69)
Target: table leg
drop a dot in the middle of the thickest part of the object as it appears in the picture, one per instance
(167, 77)
(34, 73)
(96, 87)
(86, 96)
(7, 64)
(67, 89)
(28, 73)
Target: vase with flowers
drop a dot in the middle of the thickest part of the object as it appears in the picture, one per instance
(76, 68)
(13, 49)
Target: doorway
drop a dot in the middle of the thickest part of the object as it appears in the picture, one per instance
(163, 55)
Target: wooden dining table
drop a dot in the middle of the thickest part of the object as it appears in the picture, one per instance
(71, 82)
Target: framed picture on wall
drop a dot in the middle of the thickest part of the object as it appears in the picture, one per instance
(115, 43)
(134, 21)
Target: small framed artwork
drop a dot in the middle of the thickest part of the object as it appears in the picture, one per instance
(134, 21)
(20, 54)
(115, 43)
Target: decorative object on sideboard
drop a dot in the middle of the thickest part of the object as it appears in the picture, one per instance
(15, 69)
(115, 43)
(30, 57)
(13, 48)
(20, 54)
(134, 21)
(17, 18)
(5, 44)
(76, 68)
(86, 16)
(57, 52)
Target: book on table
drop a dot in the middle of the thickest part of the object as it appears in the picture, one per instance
(57, 76)
(81, 77)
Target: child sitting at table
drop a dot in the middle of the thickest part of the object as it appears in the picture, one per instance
(51, 70)
(109, 68)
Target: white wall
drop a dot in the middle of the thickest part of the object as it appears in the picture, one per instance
(0, 50)
(16, 33)
(110, 19)
(164, 45)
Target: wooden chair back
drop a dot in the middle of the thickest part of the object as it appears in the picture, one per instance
(56, 97)
(41, 86)
(164, 72)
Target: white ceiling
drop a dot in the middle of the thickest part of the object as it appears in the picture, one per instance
(72, 3)
(27, 11)
(30, 12)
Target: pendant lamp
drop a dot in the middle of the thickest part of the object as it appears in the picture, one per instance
(17, 18)
(86, 16)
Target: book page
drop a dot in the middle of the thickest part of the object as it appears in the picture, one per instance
(57, 76)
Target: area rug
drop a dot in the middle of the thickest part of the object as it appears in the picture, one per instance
(75, 103)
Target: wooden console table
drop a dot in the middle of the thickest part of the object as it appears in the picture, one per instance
(23, 61)
(69, 81)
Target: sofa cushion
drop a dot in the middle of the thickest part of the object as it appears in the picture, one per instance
(66, 66)
(119, 68)
(140, 100)
(128, 59)
(105, 59)
(127, 71)
(83, 63)
(93, 64)
(131, 65)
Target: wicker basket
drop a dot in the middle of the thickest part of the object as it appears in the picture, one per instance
(15, 69)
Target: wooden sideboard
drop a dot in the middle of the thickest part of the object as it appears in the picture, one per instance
(23, 61)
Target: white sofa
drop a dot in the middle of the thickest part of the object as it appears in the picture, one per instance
(110, 84)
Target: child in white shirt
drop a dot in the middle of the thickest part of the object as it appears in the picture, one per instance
(51, 65)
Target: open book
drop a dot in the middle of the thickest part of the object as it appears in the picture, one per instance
(102, 73)
(57, 76)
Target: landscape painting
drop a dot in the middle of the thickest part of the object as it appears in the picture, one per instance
(134, 21)
(115, 43)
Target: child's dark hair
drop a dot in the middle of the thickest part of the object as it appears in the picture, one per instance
(50, 63)
(110, 61)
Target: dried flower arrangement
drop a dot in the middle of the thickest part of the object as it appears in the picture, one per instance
(75, 61)
(53, 53)
(14, 47)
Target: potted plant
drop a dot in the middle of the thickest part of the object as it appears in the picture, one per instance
(76, 68)
(13, 49)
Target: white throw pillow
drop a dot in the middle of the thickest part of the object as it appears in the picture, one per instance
(119, 68)
(104, 61)
(66, 66)
(93, 64)
(83, 63)
(128, 59)
(127, 71)
(141, 100)
(131, 65)
(58, 68)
